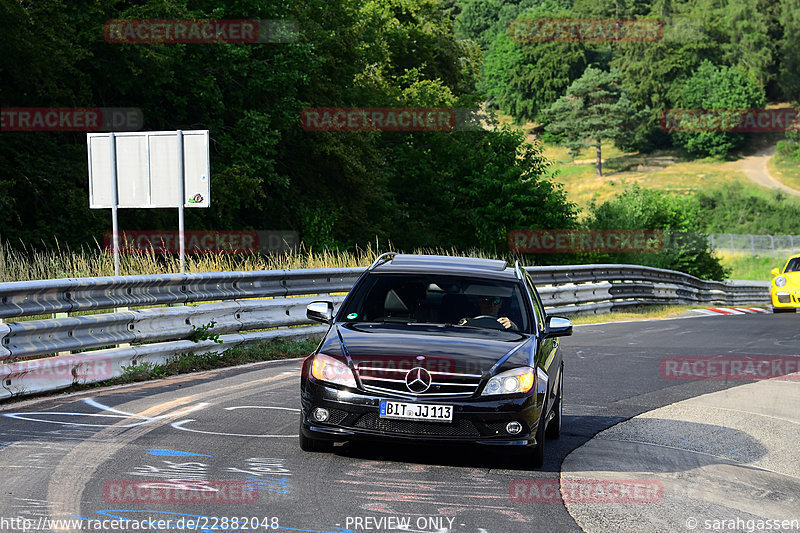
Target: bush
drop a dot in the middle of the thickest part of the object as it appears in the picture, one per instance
(712, 87)
(686, 247)
(734, 209)
(791, 146)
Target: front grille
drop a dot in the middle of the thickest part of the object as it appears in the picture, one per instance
(458, 428)
(375, 377)
(336, 416)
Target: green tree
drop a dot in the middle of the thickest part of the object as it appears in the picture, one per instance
(720, 88)
(789, 51)
(470, 189)
(523, 77)
(595, 109)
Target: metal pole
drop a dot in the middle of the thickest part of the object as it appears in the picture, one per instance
(182, 189)
(731, 242)
(791, 241)
(772, 245)
(112, 140)
(752, 244)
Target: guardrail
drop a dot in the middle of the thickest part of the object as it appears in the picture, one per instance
(252, 306)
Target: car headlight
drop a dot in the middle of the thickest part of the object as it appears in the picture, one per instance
(326, 368)
(511, 382)
(780, 281)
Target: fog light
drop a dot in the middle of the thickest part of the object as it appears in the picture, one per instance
(320, 415)
(513, 427)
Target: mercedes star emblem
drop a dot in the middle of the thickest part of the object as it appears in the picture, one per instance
(418, 380)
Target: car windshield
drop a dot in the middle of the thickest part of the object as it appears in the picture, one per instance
(793, 265)
(437, 299)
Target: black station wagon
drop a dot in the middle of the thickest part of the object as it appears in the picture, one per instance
(436, 349)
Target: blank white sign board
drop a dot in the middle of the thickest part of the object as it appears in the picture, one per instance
(147, 169)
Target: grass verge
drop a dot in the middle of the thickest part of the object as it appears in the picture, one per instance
(638, 312)
(785, 169)
(275, 349)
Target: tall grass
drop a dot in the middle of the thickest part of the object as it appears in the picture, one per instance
(61, 262)
(752, 267)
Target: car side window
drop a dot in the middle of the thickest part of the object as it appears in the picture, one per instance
(538, 307)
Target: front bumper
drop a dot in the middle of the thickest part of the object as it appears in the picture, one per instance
(355, 416)
(783, 298)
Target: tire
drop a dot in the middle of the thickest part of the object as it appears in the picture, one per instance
(554, 427)
(314, 445)
(536, 456)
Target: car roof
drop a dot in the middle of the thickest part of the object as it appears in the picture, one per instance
(443, 264)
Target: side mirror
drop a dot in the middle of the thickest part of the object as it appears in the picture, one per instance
(775, 271)
(557, 326)
(320, 311)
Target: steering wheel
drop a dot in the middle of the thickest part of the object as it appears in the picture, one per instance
(484, 321)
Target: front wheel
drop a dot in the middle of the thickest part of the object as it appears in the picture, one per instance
(554, 427)
(536, 457)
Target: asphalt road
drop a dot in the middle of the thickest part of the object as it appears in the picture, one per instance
(76, 456)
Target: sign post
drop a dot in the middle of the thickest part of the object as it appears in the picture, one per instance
(150, 169)
(112, 142)
(182, 186)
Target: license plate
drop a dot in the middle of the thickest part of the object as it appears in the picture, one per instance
(416, 411)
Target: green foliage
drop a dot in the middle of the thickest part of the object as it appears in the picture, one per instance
(789, 51)
(202, 333)
(471, 188)
(522, 78)
(791, 146)
(595, 109)
(734, 209)
(741, 34)
(712, 87)
(685, 249)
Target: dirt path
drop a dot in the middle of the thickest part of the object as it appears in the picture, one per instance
(755, 167)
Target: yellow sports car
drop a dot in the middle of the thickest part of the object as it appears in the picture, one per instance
(785, 287)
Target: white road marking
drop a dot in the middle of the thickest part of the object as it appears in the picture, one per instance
(179, 425)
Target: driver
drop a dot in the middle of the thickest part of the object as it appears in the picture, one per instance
(490, 305)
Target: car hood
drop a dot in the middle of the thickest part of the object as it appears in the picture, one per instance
(438, 348)
(791, 277)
